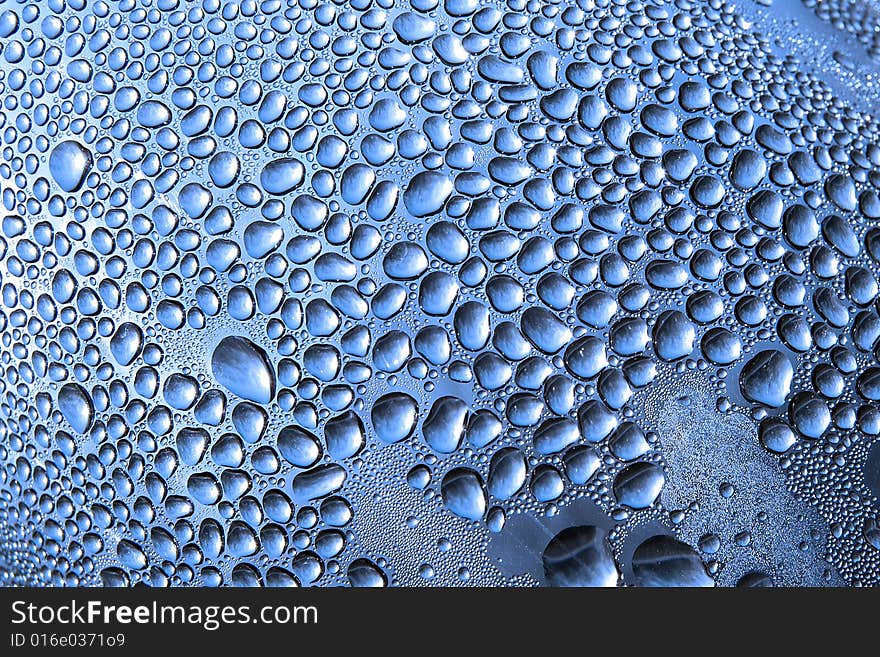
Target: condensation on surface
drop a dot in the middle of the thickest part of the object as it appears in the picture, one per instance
(421, 292)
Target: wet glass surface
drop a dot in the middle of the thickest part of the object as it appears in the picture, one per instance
(440, 292)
